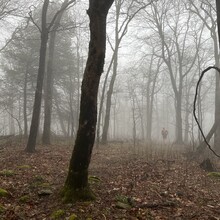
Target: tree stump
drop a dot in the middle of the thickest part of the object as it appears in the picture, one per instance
(207, 165)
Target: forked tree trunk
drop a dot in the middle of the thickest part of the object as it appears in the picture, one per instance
(76, 185)
(45, 29)
(46, 139)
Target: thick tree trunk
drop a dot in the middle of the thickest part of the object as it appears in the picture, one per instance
(76, 185)
(40, 78)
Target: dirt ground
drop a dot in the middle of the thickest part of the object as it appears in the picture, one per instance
(130, 183)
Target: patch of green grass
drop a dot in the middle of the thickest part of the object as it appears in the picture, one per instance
(7, 173)
(24, 167)
(73, 217)
(38, 179)
(124, 202)
(214, 174)
(2, 209)
(37, 182)
(45, 185)
(24, 199)
(3, 192)
(59, 214)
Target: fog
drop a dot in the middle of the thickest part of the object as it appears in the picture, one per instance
(156, 52)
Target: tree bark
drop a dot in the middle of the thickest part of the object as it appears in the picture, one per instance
(76, 185)
(217, 89)
(40, 77)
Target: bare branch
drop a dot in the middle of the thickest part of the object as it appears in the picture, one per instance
(194, 107)
(63, 7)
(33, 21)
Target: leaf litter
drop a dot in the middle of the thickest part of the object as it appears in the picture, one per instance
(130, 183)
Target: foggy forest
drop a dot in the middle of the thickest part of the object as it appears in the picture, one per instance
(109, 109)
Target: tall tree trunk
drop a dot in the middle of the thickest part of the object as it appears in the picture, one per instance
(134, 133)
(109, 96)
(76, 185)
(148, 112)
(150, 99)
(25, 103)
(179, 133)
(48, 101)
(71, 116)
(78, 83)
(40, 77)
(217, 88)
(61, 119)
(102, 101)
(186, 132)
(50, 80)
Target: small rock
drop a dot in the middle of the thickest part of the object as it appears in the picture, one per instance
(179, 193)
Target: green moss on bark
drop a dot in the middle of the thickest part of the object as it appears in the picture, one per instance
(77, 187)
(71, 195)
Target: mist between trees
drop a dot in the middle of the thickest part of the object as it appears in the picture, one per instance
(156, 51)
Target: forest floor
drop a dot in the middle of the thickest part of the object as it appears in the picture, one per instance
(130, 184)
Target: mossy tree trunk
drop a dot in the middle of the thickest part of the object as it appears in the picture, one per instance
(76, 185)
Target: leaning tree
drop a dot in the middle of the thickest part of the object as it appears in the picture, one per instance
(76, 186)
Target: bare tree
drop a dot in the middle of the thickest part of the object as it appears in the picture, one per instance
(44, 30)
(206, 12)
(50, 78)
(133, 8)
(173, 33)
(76, 185)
